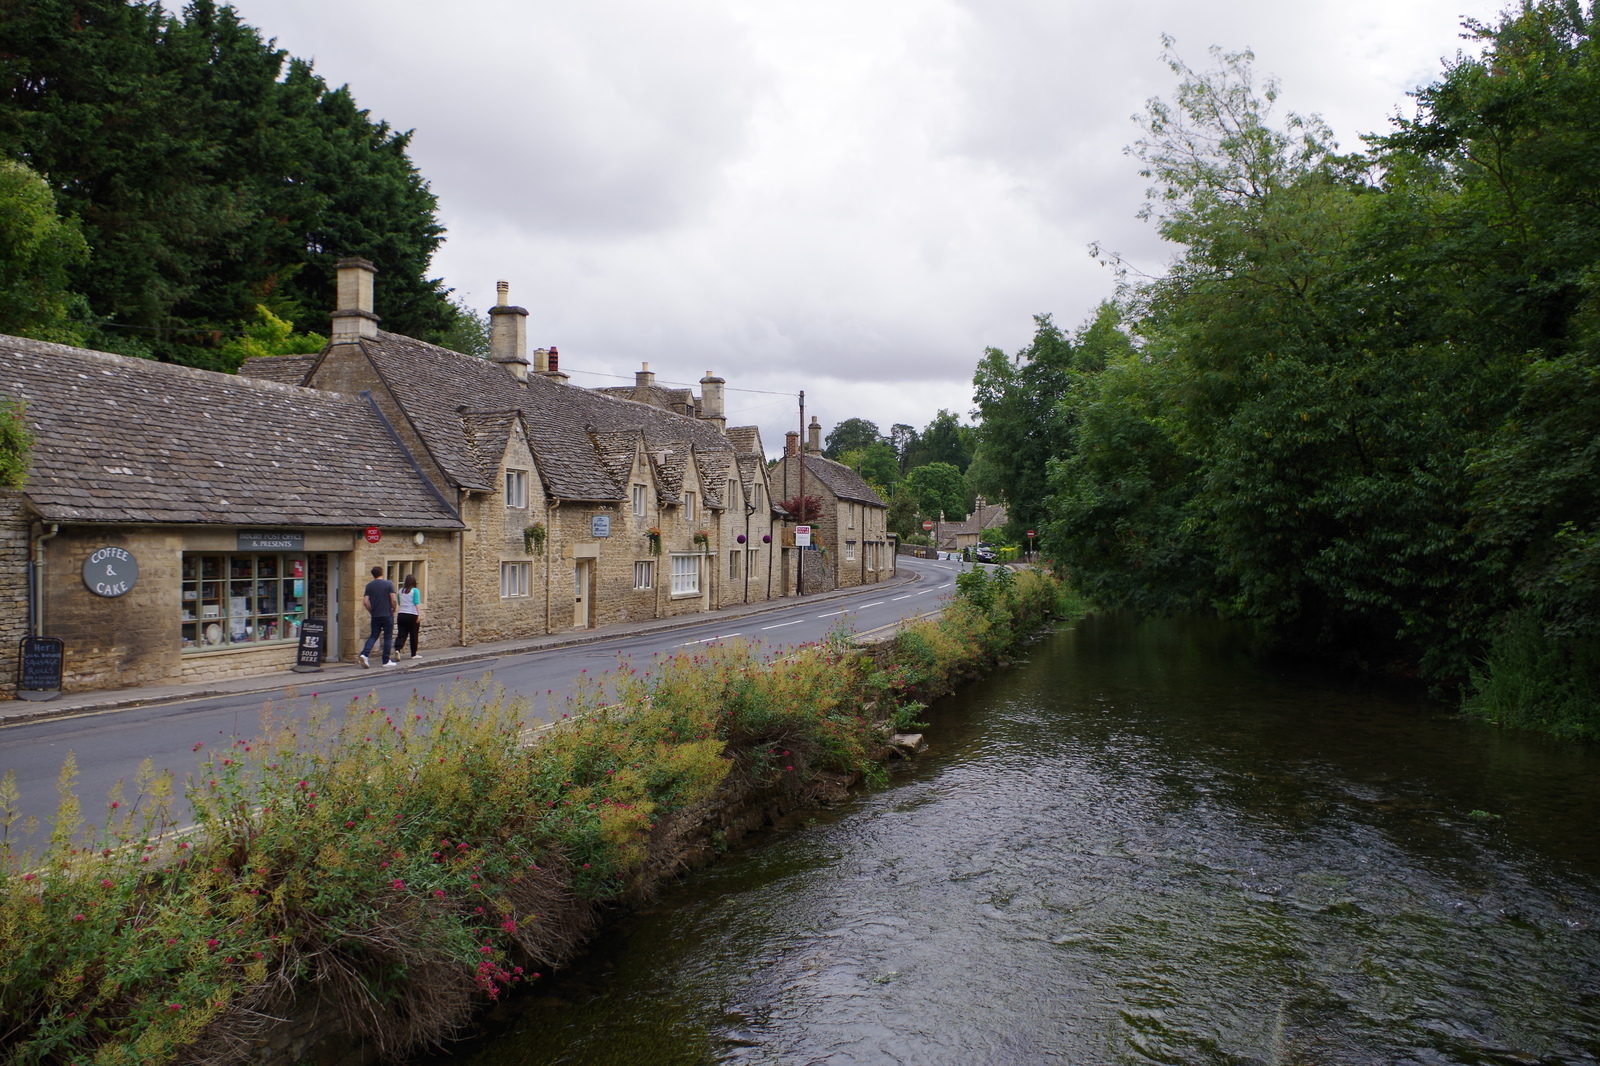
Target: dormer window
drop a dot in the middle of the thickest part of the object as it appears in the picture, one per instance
(517, 489)
(688, 507)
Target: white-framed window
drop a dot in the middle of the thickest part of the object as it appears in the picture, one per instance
(400, 569)
(850, 509)
(731, 494)
(517, 488)
(639, 500)
(849, 549)
(688, 507)
(756, 495)
(733, 563)
(644, 575)
(685, 575)
(514, 580)
(242, 598)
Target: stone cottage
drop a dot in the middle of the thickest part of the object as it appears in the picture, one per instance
(852, 526)
(581, 508)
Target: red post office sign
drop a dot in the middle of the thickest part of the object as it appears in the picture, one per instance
(374, 534)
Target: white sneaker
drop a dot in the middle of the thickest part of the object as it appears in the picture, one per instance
(365, 665)
(391, 662)
(416, 656)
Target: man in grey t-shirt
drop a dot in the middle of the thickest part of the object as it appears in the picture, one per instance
(380, 601)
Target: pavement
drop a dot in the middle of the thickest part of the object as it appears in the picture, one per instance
(14, 711)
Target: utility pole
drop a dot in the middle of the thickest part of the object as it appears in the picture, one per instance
(799, 552)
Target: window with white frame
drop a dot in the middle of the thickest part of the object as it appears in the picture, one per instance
(733, 563)
(849, 549)
(638, 500)
(644, 575)
(850, 509)
(688, 507)
(517, 488)
(400, 569)
(685, 575)
(731, 494)
(756, 498)
(514, 580)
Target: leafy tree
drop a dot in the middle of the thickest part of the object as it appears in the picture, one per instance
(469, 334)
(211, 173)
(852, 434)
(943, 440)
(903, 439)
(37, 250)
(16, 443)
(876, 464)
(904, 517)
(268, 335)
(940, 487)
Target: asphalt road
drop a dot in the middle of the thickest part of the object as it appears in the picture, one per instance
(110, 745)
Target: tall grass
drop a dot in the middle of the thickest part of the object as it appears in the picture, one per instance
(407, 864)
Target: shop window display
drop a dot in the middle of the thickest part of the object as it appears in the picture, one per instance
(242, 598)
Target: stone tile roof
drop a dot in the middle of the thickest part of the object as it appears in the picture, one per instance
(842, 481)
(677, 401)
(431, 383)
(714, 473)
(487, 433)
(617, 452)
(131, 440)
(284, 369)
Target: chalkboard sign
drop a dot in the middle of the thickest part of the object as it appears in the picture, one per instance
(313, 641)
(39, 668)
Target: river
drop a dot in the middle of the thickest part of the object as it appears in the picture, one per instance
(1141, 845)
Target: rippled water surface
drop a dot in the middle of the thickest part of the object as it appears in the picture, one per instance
(1139, 846)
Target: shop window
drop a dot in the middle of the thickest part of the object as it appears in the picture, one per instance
(644, 575)
(685, 575)
(400, 569)
(638, 500)
(514, 582)
(242, 598)
(517, 489)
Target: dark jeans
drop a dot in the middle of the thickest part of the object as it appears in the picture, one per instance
(381, 624)
(406, 627)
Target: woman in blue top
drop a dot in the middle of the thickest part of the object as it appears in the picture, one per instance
(408, 620)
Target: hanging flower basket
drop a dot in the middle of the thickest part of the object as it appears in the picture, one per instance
(702, 540)
(533, 539)
(653, 537)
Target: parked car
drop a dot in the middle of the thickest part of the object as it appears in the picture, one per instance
(984, 553)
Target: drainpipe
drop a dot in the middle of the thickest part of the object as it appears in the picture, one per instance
(36, 586)
(461, 564)
(745, 563)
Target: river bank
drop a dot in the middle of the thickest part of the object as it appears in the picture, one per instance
(359, 886)
(1142, 843)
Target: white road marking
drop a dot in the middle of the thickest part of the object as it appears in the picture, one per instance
(707, 640)
(924, 592)
(830, 614)
(864, 606)
(897, 599)
(780, 625)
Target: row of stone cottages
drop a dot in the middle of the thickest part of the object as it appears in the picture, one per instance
(180, 525)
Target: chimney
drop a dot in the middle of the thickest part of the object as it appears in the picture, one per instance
(555, 365)
(791, 443)
(353, 317)
(541, 361)
(508, 335)
(643, 379)
(711, 401)
(814, 435)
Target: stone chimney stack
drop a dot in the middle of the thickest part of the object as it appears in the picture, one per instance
(508, 335)
(353, 317)
(791, 444)
(711, 402)
(814, 435)
(541, 361)
(643, 379)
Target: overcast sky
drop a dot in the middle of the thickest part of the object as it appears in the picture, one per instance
(850, 197)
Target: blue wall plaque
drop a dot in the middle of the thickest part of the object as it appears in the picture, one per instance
(600, 525)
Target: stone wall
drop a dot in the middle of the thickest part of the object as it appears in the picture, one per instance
(15, 526)
(122, 641)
